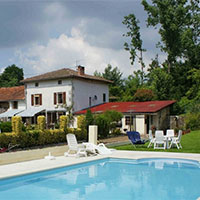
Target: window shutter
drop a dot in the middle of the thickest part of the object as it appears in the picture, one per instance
(64, 97)
(40, 95)
(55, 98)
(32, 100)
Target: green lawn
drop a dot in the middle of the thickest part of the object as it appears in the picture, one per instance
(190, 143)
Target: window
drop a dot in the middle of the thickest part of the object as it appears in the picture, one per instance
(59, 82)
(151, 119)
(104, 97)
(36, 84)
(36, 99)
(129, 120)
(59, 97)
(90, 101)
(15, 105)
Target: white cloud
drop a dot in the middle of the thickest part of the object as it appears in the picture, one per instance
(65, 51)
(69, 51)
(2, 70)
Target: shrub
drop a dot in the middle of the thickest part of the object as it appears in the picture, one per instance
(103, 126)
(192, 121)
(116, 132)
(5, 127)
(107, 122)
(17, 124)
(89, 119)
(81, 121)
(41, 122)
(63, 122)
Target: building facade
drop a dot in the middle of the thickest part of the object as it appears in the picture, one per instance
(52, 94)
(12, 101)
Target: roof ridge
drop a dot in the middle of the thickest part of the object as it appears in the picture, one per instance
(63, 73)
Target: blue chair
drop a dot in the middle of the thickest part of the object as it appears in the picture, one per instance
(134, 137)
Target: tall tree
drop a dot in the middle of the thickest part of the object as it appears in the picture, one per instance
(131, 84)
(113, 74)
(135, 46)
(11, 76)
(178, 22)
(161, 83)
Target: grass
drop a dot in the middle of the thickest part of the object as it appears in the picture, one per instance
(190, 143)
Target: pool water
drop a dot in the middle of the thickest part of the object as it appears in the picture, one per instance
(109, 179)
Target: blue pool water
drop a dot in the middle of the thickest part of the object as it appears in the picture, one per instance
(109, 179)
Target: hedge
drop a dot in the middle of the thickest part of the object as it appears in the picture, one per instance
(17, 124)
(33, 138)
(63, 122)
(41, 122)
(5, 127)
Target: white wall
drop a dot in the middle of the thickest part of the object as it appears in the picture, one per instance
(21, 104)
(82, 90)
(77, 91)
(47, 89)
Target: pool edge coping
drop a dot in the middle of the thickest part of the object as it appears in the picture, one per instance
(47, 164)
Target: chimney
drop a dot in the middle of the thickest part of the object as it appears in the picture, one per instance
(81, 70)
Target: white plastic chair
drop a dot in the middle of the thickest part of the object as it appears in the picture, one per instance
(177, 140)
(169, 136)
(74, 148)
(170, 133)
(159, 142)
(151, 139)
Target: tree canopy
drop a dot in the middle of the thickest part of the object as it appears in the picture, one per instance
(114, 75)
(178, 24)
(11, 76)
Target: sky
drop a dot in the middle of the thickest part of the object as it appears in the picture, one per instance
(41, 36)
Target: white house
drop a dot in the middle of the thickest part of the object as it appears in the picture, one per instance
(138, 116)
(50, 93)
(12, 101)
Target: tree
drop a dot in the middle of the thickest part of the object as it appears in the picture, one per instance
(194, 91)
(11, 76)
(135, 46)
(114, 75)
(161, 83)
(178, 22)
(131, 84)
(143, 95)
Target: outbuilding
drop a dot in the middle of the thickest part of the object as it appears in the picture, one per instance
(138, 116)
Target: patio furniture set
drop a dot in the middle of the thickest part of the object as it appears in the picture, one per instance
(160, 141)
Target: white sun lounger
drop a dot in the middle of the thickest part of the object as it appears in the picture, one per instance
(74, 148)
(100, 148)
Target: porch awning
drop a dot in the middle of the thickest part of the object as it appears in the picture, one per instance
(10, 113)
(56, 110)
(31, 112)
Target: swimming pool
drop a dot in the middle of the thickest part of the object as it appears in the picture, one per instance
(109, 179)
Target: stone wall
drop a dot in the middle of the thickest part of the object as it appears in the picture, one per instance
(177, 122)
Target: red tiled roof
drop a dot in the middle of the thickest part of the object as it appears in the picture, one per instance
(130, 107)
(64, 73)
(12, 93)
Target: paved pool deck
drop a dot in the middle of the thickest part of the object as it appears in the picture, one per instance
(20, 168)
